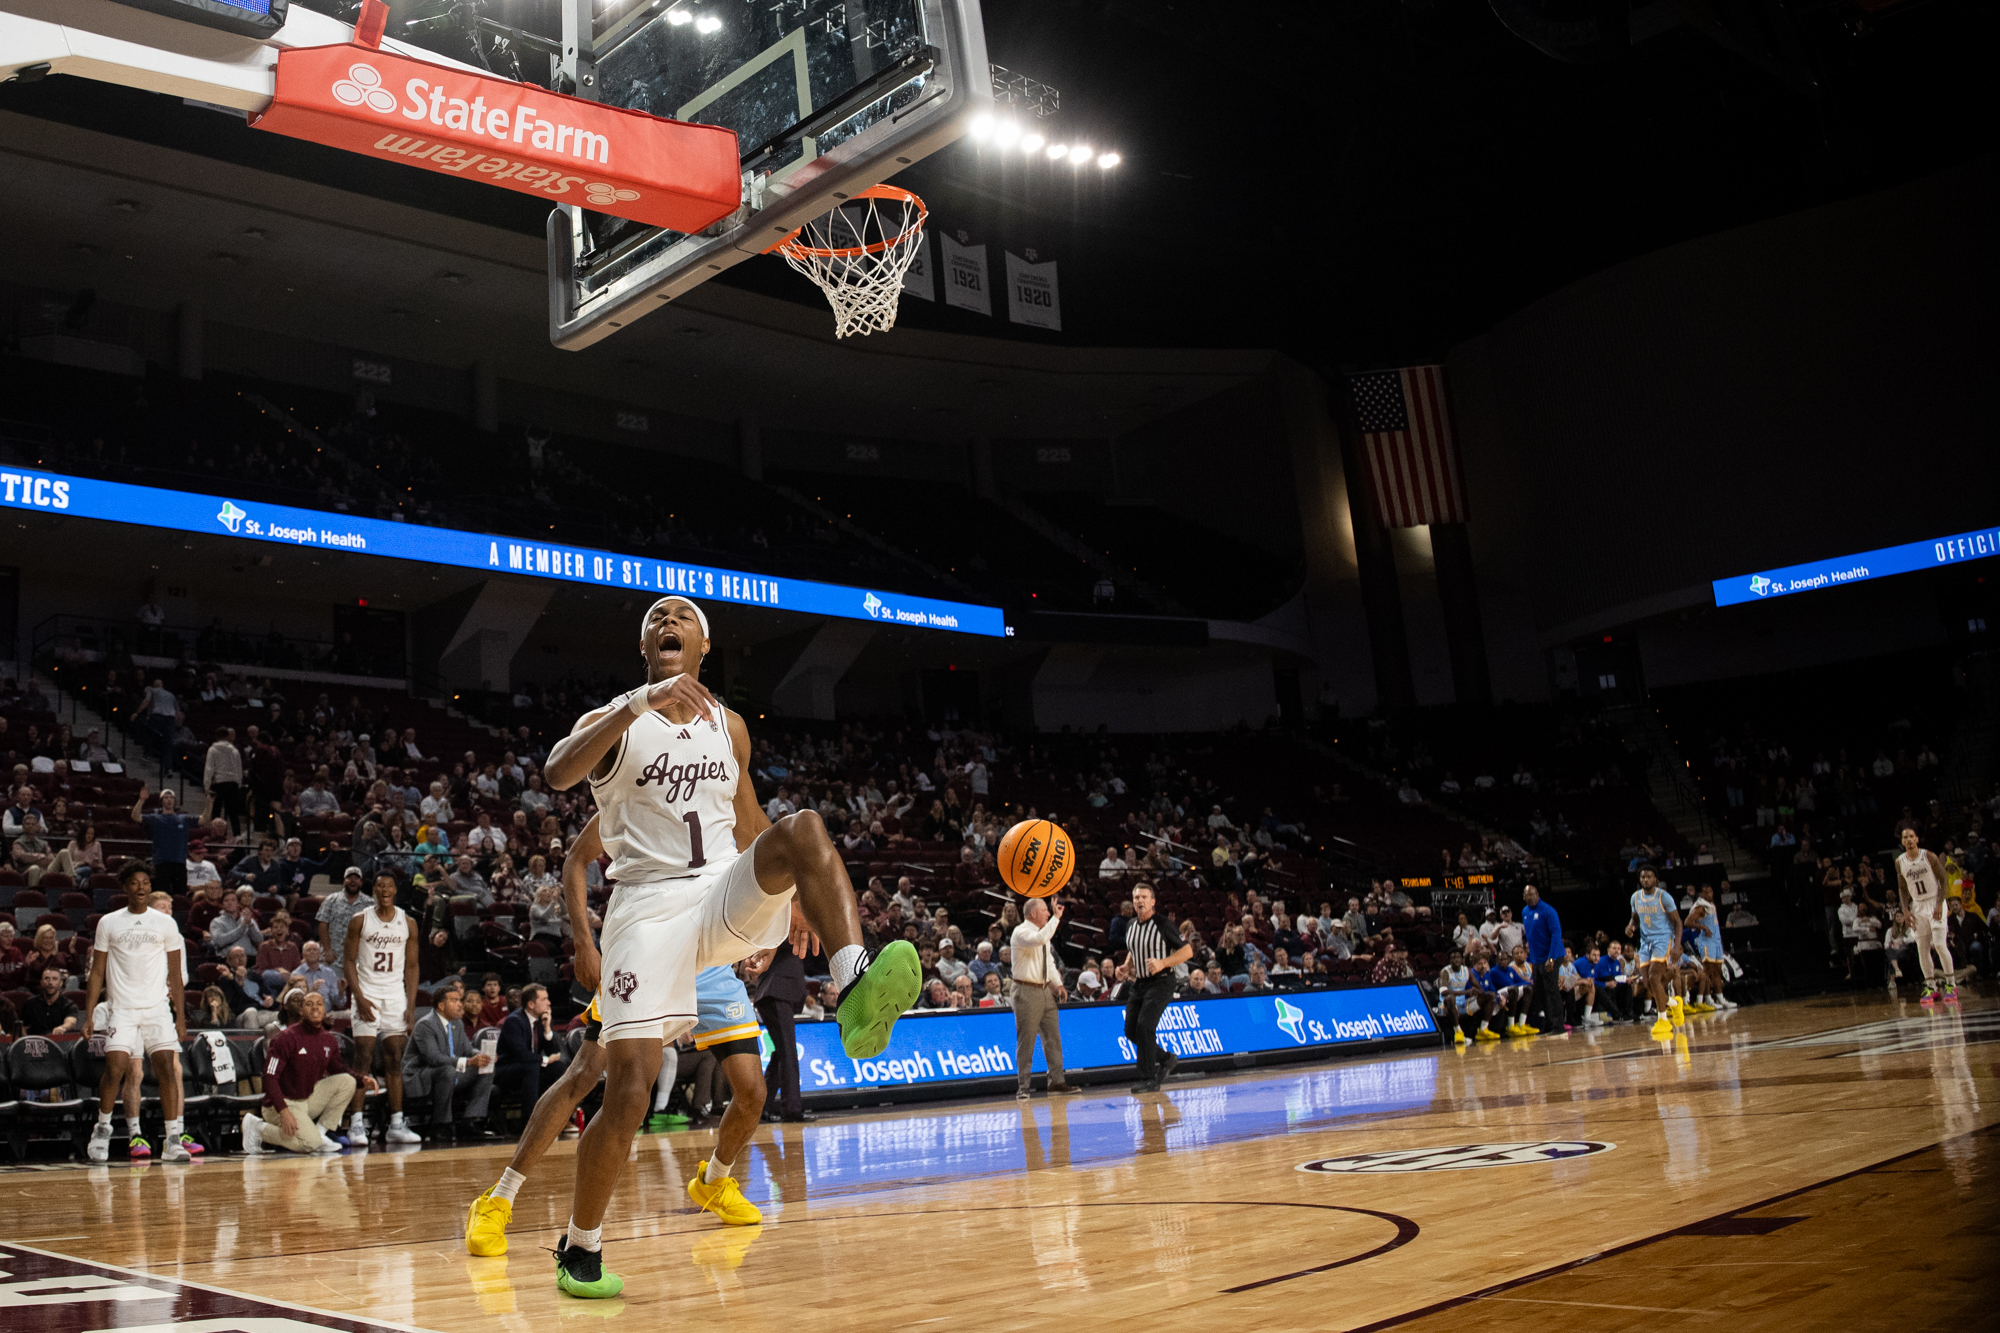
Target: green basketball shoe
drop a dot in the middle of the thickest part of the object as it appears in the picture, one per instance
(870, 1007)
(580, 1272)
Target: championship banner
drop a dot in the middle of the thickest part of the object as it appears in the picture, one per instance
(1032, 295)
(917, 277)
(965, 276)
(665, 173)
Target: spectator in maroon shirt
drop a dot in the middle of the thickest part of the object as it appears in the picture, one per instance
(278, 955)
(493, 1007)
(307, 1088)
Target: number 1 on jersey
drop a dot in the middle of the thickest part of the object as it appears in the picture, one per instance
(695, 859)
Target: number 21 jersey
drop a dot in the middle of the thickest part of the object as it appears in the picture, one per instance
(384, 952)
(667, 808)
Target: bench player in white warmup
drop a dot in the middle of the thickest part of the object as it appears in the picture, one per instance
(381, 965)
(666, 764)
(1920, 881)
(135, 963)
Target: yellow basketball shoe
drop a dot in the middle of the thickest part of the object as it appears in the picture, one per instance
(486, 1225)
(724, 1198)
(1662, 1030)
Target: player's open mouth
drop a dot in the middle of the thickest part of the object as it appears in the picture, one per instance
(670, 642)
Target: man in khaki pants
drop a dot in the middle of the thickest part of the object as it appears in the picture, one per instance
(1037, 988)
(307, 1088)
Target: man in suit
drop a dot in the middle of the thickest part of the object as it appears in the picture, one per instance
(531, 1056)
(442, 1063)
(778, 988)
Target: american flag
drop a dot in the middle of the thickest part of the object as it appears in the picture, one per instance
(1406, 430)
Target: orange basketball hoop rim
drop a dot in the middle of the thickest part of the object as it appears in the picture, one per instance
(857, 255)
(789, 243)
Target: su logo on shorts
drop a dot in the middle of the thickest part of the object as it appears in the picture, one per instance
(622, 985)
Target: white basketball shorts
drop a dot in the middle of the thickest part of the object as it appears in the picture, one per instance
(659, 935)
(392, 1017)
(140, 1034)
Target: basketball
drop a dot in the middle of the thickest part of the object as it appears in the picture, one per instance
(1036, 858)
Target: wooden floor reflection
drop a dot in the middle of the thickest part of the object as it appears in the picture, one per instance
(1805, 1165)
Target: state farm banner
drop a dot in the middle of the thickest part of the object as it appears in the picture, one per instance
(666, 173)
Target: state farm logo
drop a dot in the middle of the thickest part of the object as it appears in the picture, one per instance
(363, 87)
(606, 195)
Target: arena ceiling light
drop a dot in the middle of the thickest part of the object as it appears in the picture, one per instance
(1058, 151)
(1108, 160)
(1006, 132)
(680, 18)
(707, 23)
(1031, 141)
(1080, 154)
(981, 128)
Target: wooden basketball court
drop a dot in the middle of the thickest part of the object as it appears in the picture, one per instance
(1819, 1163)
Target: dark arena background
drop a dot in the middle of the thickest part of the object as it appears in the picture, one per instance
(1453, 540)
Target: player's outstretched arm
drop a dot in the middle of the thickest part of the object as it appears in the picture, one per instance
(92, 989)
(351, 965)
(589, 845)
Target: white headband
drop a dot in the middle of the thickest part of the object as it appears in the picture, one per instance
(699, 614)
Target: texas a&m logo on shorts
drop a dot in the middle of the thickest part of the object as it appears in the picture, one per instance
(622, 985)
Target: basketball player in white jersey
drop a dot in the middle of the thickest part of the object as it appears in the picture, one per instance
(714, 1187)
(1920, 881)
(135, 963)
(666, 764)
(380, 960)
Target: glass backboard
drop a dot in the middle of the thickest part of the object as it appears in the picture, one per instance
(827, 97)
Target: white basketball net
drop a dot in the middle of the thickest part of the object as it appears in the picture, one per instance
(857, 254)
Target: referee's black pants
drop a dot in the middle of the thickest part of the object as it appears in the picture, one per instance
(781, 1076)
(1142, 1019)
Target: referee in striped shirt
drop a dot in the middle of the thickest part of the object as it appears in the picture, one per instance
(1157, 950)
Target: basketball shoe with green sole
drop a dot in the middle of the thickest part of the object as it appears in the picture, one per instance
(580, 1273)
(870, 1007)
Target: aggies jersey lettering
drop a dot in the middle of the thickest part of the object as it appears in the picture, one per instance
(1917, 874)
(668, 806)
(384, 950)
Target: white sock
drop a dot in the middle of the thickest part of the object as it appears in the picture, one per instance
(592, 1239)
(717, 1168)
(1588, 1009)
(510, 1184)
(131, 1126)
(175, 1128)
(395, 1117)
(847, 966)
(104, 1121)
